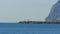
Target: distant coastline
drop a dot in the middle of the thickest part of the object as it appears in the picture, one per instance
(37, 22)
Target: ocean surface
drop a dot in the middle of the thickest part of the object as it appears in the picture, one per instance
(14, 28)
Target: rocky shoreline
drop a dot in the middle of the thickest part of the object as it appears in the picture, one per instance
(37, 22)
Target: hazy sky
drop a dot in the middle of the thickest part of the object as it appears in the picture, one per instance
(18, 10)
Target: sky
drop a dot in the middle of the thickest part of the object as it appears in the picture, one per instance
(24, 10)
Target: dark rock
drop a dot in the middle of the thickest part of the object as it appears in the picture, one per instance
(37, 22)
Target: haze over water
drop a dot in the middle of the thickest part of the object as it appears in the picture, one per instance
(19, 10)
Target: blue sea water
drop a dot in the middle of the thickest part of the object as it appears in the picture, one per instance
(14, 28)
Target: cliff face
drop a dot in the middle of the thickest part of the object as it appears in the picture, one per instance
(54, 14)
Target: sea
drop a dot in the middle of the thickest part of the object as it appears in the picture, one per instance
(16, 28)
